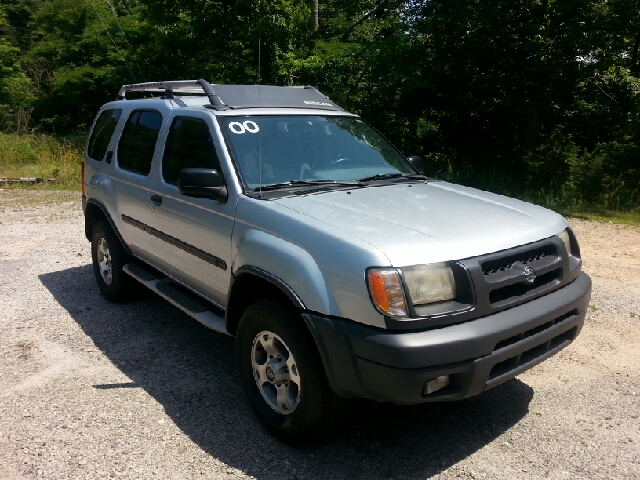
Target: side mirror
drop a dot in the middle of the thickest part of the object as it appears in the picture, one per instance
(417, 163)
(202, 183)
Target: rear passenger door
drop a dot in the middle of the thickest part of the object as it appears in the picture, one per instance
(131, 176)
(195, 233)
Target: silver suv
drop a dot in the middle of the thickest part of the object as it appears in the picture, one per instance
(273, 215)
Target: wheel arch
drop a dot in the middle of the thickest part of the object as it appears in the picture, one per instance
(96, 211)
(249, 284)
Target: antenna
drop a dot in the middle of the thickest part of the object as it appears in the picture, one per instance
(259, 107)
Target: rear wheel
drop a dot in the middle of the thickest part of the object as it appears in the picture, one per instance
(109, 257)
(282, 374)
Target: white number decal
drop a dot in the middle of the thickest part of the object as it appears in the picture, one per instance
(236, 127)
(240, 128)
(252, 127)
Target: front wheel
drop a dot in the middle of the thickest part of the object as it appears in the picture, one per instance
(282, 374)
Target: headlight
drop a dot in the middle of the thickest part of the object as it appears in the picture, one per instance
(570, 241)
(430, 283)
(386, 291)
(564, 236)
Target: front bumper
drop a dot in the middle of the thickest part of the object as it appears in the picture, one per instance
(367, 362)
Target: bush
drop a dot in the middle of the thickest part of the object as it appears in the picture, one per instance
(608, 176)
(547, 166)
(39, 155)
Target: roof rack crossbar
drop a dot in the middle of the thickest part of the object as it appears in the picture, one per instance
(170, 86)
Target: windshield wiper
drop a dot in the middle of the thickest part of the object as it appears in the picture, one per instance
(380, 176)
(415, 176)
(296, 183)
(395, 176)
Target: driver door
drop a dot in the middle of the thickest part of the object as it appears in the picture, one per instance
(195, 233)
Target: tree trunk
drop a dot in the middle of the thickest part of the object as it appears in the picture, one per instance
(315, 24)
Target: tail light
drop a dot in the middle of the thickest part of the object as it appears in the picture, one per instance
(83, 188)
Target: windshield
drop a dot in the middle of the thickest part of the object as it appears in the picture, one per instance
(276, 149)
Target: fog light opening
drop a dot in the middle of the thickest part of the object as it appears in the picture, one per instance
(435, 384)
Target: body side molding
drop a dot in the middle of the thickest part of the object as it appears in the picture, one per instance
(201, 254)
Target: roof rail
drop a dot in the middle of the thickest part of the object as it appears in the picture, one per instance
(239, 96)
(200, 86)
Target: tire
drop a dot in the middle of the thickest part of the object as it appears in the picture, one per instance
(302, 409)
(109, 257)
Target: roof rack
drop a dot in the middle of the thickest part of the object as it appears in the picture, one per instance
(182, 86)
(239, 96)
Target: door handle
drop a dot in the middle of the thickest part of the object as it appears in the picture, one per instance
(157, 199)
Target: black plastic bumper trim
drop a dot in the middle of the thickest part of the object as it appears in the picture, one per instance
(366, 362)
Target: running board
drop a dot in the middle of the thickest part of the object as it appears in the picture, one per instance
(189, 304)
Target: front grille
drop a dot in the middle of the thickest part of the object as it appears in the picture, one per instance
(516, 290)
(508, 262)
(511, 277)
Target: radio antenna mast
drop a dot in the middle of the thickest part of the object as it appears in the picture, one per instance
(260, 106)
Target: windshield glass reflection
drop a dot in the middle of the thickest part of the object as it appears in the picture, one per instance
(276, 149)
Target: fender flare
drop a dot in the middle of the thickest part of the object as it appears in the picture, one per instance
(274, 258)
(276, 281)
(105, 213)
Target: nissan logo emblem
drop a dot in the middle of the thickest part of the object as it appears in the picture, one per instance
(529, 275)
(271, 375)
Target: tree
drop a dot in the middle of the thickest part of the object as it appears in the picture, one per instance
(16, 92)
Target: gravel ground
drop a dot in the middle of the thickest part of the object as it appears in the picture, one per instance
(94, 390)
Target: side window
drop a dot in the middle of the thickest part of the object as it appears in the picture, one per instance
(138, 141)
(189, 145)
(102, 132)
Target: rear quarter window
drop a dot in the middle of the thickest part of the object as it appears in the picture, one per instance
(102, 133)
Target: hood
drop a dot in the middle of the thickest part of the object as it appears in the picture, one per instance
(419, 223)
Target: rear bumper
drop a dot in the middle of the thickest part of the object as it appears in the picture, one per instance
(367, 362)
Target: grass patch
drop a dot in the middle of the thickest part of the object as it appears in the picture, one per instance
(38, 155)
(625, 218)
(567, 208)
(565, 201)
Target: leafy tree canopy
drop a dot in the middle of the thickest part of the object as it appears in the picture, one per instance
(509, 95)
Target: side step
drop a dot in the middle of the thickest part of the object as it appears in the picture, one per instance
(189, 304)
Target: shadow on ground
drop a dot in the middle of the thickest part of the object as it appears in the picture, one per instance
(190, 371)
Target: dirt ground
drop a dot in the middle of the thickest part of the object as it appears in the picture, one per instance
(89, 389)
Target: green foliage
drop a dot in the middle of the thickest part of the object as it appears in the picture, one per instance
(16, 91)
(548, 164)
(536, 98)
(608, 176)
(44, 156)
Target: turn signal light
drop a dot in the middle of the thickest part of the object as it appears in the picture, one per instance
(387, 292)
